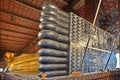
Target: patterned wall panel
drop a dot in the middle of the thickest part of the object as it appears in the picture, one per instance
(110, 5)
(100, 46)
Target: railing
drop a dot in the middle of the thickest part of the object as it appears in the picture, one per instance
(109, 75)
